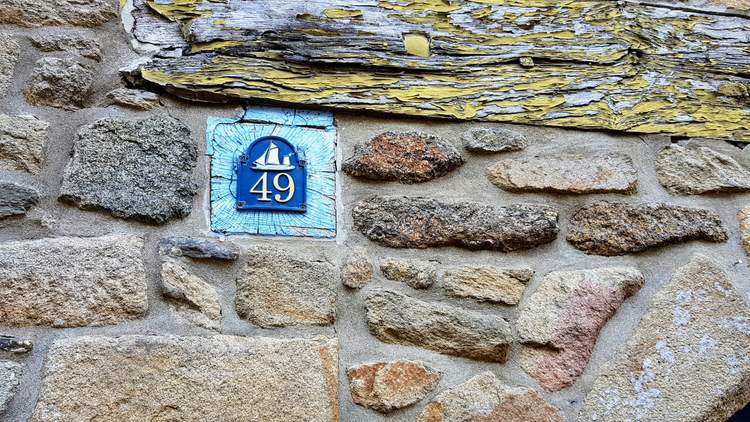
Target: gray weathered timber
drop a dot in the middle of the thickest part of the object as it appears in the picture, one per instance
(626, 66)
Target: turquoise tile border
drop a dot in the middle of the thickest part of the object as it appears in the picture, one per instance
(312, 133)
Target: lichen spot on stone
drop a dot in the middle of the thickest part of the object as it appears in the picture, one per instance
(417, 44)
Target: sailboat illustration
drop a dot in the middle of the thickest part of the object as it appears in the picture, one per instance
(269, 160)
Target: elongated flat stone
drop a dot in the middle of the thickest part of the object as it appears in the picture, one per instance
(561, 320)
(743, 216)
(491, 140)
(396, 318)
(198, 248)
(405, 157)
(72, 281)
(610, 229)
(277, 288)
(14, 345)
(417, 222)
(687, 360)
(16, 200)
(566, 173)
(485, 398)
(167, 378)
(487, 283)
(690, 171)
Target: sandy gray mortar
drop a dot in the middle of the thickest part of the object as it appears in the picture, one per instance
(72, 282)
(484, 398)
(22, 142)
(31, 13)
(16, 200)
(409, 157)
(220, 378)
(198, 248)
(396, 318)
(417, 222)
(492, 140)
(136, 169)
(688, 359)
(277, 289)
(610, 229)
(695, 170)
(566, 173)
(59, 82)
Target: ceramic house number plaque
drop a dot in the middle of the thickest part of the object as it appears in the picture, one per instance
(273, 172)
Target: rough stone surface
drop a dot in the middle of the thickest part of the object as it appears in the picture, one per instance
(193, 298)
(417, 222)
(22, 141)
(10, 377)
(9, 52)
(72, 282)
(744, 218)
(405, 157)
(14, 345)
(487, 283)
(566, 173)
(687, 360)
(16, 199)
(166, 378)
(31, 13)
(62, 83)
(387, 386)
(561, 320)
(357, 270)
(609, 229)
(134, 98)
(277, 289)
(690, 171)
(198, 248)
(484, 398)
(72, 43)
(415, 273)
(136, 169)
(491, 140)
(396, 318)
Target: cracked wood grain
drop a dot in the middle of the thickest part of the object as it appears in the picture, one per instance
(681, 69)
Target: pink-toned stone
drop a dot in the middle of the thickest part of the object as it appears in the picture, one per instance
(484, 398)
(559, 324)
(387, 386)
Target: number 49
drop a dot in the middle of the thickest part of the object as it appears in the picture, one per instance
(264, 192)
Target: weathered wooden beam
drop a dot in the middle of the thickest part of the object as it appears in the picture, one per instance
(594, 64)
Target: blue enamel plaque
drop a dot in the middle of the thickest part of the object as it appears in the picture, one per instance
(271, 176)
(273, 172)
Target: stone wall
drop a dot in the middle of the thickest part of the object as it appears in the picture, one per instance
(479, 272)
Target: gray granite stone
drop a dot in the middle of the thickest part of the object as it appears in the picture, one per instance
(59, 82)
(136, 169)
